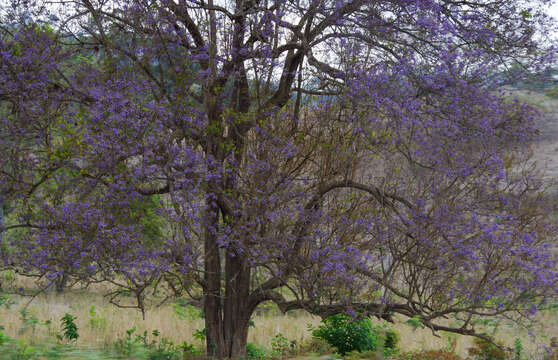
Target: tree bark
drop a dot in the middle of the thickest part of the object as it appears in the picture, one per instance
(227, 321)
(237, 315)
(212, 303)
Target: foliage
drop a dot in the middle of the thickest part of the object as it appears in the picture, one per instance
(6, 301)
(200, 334)
(186, 311)
(139, 346)
(96, 321)
(281, 346)
(256, 352)
(484, 350)
(347, 334)
(69, 327)
(28, 321)
(518, 349)
(415, 322)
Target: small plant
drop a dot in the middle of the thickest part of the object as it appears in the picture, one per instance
(415, 322)
(96, 321)
(281, 346)
(6, 301)
(28, 321)
(256, 353)
(69, 328)
(517, 348)
(185, 311)
(189, 350)
(127, 345)
(200, 334)
(140, 346)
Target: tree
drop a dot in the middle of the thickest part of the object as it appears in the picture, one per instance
(251, 151)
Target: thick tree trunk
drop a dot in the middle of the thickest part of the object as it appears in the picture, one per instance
(227, 321)
(237, 315)
(212, 302)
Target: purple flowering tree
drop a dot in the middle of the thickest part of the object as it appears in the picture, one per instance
(332, 156)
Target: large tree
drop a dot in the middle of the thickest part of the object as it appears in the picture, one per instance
(331, 156)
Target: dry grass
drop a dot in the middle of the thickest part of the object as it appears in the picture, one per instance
(113, 322)
(172, 326)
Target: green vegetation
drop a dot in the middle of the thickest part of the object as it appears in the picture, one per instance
(347, 334)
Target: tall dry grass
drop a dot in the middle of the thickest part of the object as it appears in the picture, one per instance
(111, 323)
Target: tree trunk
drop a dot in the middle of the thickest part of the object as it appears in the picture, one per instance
(60, 283)
(227, 321)
(212, 302)
(237, 315)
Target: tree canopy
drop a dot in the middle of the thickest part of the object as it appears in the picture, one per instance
(332, 156)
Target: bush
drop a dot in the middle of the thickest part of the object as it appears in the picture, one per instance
(484, 350)
(347, 334)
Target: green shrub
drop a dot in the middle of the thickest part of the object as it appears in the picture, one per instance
(69, 327)
(347, 334)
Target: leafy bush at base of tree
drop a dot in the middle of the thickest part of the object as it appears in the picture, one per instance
(347, 334)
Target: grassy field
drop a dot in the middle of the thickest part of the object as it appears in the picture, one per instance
(100, 324)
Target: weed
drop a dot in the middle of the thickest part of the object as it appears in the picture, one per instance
(255, 352)
(28, 321)
(69, 328)
(282, 346)
(96, 321)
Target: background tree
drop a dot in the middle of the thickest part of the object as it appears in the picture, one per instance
(249, 151)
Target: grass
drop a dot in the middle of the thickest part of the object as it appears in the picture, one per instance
(100, 324)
